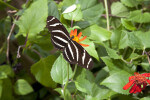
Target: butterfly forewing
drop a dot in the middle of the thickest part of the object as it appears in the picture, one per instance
(59, 34)
(73, 52)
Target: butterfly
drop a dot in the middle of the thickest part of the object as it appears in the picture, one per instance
(73, 52)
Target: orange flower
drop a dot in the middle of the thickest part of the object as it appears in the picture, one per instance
(138, 82)
(76, 37)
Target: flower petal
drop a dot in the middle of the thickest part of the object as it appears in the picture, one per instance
(146, 74)
(148, 81)
(130, 83)
(82, 39)
(79, 35)
(138, 89)
(75, 32)
(132, 90)
(131, 78)
(84, 45)
(135, 89)
(71, 33)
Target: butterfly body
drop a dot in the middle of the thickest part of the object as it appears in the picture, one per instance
(73, 52)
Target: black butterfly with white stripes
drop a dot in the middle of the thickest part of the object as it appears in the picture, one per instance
(73, 52)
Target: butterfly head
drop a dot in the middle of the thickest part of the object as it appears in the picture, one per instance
(75, 38)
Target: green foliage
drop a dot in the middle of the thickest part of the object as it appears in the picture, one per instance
(75, 15)
(53, 9)
(22, 87)
(97, 34)
(130, 3)
(118, 9)
(33, 19)
(144, 38)
(6, 70)
(128, 24)
(42, 72)
(116, 81)
(59, 70)
(139, 16)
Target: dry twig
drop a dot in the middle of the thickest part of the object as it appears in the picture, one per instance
(8, 38)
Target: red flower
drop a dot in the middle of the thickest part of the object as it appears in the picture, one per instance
(138, 82)
(76, 38)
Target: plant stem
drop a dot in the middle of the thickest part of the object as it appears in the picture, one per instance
(8, 5)
(22, 46)
(66, 83)
(75, 69)
(107, 18)
(71, 23)
(107, 14)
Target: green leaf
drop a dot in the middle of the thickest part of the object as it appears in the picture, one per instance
(91, 48)
(33, 19)
(60, 91)
(1, 88)
(112, 53)
(130, 3)
(22, 87)
(75, 15)
(128, 24)
(133, 40)
(144, 38)
(87, 8)
(59, 70)
(87, 4)
(118, 9)
(43, 41)
(115, 37)
(41, 71)
(97, 34)
(145, 98)
(83, 85)
(3, 75)
(145, 66)
(88, 97)
(127, 39)
(96, 11)
(105, 93)
(101, 75)
(116, 81)
(102, 94)
(90, 88)
(115, 65)
(90, 76)
(139, 16)
(53, 9)
(123, 41)
(7, 93)
(7, 70)
(68, 2)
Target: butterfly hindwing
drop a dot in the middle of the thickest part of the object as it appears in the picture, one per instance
(74, 53)
(59, 34)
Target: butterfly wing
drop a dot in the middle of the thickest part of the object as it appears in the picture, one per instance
(74, 53)
(59, 34)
